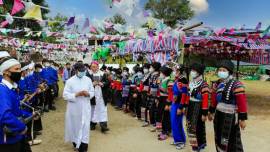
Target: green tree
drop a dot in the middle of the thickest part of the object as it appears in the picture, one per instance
(171, 11)
(118, 19)
(22, 23)
(56, 23)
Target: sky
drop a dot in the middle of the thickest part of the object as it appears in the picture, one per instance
(214, 13)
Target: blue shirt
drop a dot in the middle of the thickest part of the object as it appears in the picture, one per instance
(9, 113)
(50, 75)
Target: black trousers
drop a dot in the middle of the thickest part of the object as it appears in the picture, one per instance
(21, 146)
(138, 105)
(161, 106)
(132, 101)
(166, 122)
(49, 97)
(152, 110)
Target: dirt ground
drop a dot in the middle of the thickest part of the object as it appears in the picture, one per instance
(127, 135)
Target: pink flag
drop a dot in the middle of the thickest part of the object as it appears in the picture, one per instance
(220, 32)
(93, 29)
(231, 31)
(1, 2)
(4, 24)
(18, 6)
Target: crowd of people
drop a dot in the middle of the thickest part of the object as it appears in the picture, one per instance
(161, 97)
(27, 91)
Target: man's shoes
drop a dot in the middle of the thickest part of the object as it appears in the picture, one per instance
(52, 108)
(104, 130)
(93, 127)
(35, 142)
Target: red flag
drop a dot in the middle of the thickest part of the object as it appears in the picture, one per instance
(231, 31)
(17, 6)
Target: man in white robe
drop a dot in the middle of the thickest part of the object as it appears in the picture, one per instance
(77, 92)
(99, 106)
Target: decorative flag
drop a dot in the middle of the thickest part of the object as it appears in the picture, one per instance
(265, 31)
(259, 25)
(220, 32)
(4, 24)
(17, 6)
(71, 21)
(231, 31)
(243, 27)
(34, 13)
(86, 24)
(1, 2)
(93, 29)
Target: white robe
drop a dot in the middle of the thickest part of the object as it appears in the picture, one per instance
(99, 111)
(78, 114)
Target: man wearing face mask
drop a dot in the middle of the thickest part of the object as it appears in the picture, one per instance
(135, 96)
(180, 97)
(78, 92)
(12, 129)
(48, 74)
(229, 104)
(24, 84)
(67, 72)
(99, 105)
(145, 83)
(197, 107)
(163, 115)
(125, 92)
(153, 93)
(3, 54)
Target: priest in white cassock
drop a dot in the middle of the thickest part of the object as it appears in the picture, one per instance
(77, 92)
(99, 105)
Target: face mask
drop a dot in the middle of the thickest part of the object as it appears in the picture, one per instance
(15, 76)
(47, 64)
(161, 76)
(81, 74)
(125, 73)
(140, 75)
(40, 70)
(152, 70)
(223, 75)
(193, 74)
(174, 73)
(29, 73)
(145, 70)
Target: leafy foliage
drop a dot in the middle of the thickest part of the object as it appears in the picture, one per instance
(171, 11)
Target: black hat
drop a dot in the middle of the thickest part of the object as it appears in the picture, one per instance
(79, 67)
(136, 68)
(38, 66)
(140, 69)
(126, 69)
(156, 66)
(118, 71)
(227, 64)
(146, 66)
(103, 67)
(198, 67)
(166, 70)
